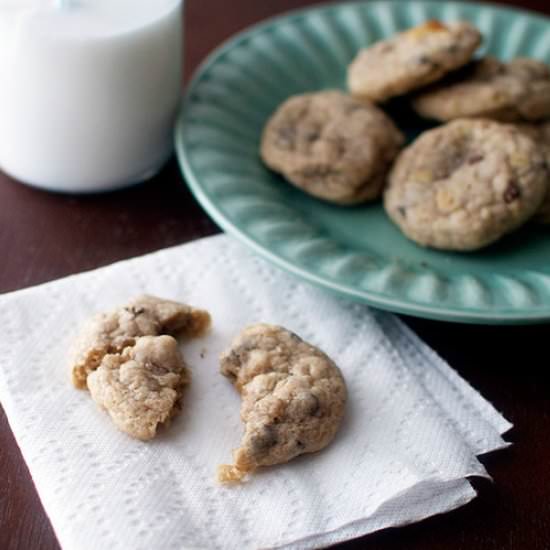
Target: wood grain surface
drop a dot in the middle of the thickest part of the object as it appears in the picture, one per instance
(45, 236)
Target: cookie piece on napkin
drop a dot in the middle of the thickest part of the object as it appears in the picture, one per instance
(110, 333)
(141, 387)
(293, 398)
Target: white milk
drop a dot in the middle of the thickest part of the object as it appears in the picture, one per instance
(88, 93)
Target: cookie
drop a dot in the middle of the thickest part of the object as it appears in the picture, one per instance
(411, 59)
(464, 185)
(331, 146)
(141, 387)
(293, 398)
(508, 92)
(541, 134)
(144, 316)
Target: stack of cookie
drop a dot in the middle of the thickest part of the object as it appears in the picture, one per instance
(460, 186)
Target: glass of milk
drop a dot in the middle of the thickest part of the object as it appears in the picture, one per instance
(89, 90)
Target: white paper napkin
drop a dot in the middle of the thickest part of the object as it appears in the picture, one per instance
(410, 438)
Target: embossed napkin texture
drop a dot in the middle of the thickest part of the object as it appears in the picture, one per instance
(410, 438)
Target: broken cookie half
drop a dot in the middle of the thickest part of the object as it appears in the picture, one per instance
(132, 365)
(293, 398)
(141, 387)
(111, 332)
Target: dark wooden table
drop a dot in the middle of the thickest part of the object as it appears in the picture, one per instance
(45, 236)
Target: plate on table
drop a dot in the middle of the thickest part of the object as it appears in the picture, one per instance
(353, 251)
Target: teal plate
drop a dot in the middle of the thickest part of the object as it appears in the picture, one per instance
(356, 252)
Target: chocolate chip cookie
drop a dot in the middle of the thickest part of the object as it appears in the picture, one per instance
(141, 387)
(293, 398)
(464, 185)
(144, 316)
(411, 59)
(331, 146)
(515, 91)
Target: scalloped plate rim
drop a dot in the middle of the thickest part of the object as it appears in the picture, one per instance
(375, 299)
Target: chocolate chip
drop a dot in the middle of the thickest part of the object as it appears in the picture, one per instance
(499, 70)
(542, 166)
(386, 47)
(314, 406)
(157, 369)
(452, 49)
(426, 60)
(403, 211)
(312, 135)
(239, 354)
(512, 193)
(474, 159)
(234, 357)
(294, 337)
(286, 137)
(135, 311)
(316, 172)
(265, 439)
(339, 145)
(349, 109)
(299, 444)
(231, 375)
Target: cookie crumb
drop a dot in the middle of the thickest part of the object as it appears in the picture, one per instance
(230, 474)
